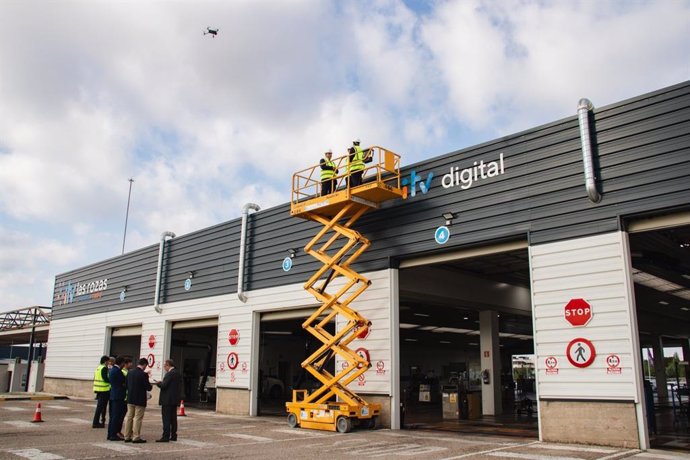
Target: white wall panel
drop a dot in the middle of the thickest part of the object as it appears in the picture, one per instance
(76, 344)
(594, 269)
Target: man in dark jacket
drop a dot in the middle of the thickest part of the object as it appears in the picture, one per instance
(169, 400)
(118, 392)
(137, 387)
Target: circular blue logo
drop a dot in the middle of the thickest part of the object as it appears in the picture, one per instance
(442, 234)
(187, 284)
(122, 295)
(287, 264)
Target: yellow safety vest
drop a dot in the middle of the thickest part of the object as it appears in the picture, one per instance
(357, 163)
(327, 174)
(99, 385)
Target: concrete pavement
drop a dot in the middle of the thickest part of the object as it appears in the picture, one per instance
(66, 433)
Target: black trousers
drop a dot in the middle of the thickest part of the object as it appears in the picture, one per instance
(169, 415)
(118, 409)
(327, 187)
(102, 398)
(356, 178)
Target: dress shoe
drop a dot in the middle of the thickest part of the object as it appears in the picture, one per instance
(115, 439)
(128, 440)
(98, 425)
(138, 441)
(163, 440)
(173, 438)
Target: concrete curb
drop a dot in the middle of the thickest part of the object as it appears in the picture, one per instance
(30, 397)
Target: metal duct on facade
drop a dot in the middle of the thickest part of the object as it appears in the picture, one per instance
(583, 109)
(243, 242)
(156, 297)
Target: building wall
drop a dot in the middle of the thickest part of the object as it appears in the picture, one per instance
(596, 269)
(77, 343)
(642, 147)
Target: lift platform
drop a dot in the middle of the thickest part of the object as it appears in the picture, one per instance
(334, 406)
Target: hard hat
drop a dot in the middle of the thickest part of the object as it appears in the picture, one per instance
(356, 141)
(329, 151)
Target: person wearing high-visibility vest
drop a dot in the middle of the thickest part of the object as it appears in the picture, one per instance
(101, 387)
(328, 173)
(355, 165)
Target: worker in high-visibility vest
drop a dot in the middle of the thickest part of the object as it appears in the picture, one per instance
(355, 165)
(101, 387)
(328, 173)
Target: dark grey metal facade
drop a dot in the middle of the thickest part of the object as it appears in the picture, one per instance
(642, 148)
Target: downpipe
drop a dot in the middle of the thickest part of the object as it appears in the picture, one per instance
(243, 242)
(156, 297)
(583, 109)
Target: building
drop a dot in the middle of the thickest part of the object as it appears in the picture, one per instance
(569, 242)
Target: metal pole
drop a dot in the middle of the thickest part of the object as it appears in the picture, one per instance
(31, 352)
(131, 181)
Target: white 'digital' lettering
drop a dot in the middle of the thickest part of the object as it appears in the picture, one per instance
(464, 178)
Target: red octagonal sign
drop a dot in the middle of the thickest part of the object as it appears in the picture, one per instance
(578, 312)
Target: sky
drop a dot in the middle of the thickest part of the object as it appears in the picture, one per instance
(93, 93)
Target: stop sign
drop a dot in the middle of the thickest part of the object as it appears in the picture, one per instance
(233, 337)
(578, 312)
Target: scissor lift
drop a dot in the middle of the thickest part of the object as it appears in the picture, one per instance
(333, 406)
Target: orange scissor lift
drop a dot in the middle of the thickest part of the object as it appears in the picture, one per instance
(334, 406)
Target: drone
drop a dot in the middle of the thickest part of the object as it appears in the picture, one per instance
(213, 32)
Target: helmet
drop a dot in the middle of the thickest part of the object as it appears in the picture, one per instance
(329, 151)
(356, 141)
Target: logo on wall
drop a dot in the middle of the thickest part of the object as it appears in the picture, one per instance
(68, 292)
(409, 186)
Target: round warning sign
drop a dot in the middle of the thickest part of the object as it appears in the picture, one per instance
(613, 362)
(233, 360)
(551, 362)
(442, 234)
(363, 353)
(580, 352)
(151, 359)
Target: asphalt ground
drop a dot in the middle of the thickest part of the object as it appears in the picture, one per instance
(66, 433)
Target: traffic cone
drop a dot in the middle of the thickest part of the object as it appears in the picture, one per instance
(181, 413)
(37, 414)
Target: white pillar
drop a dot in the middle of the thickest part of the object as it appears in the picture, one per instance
(490, 359)
(660, 368)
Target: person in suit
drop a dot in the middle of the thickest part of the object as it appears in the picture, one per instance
(169, 400)
(137, 387)
(118, 392)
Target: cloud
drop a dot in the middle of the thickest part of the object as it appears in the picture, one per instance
(95, 93)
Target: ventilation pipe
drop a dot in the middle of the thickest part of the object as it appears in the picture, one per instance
(243, 242)
(156, 297)
(583, 108)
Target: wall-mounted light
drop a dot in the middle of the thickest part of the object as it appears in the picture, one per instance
(190, 274)
(449, 216)
(292, 253)
(124, 289)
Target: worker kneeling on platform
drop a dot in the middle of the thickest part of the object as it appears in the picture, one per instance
(328, 173)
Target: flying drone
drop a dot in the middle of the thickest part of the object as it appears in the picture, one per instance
(213, 32)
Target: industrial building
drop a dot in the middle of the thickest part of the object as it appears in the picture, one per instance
(518, 283)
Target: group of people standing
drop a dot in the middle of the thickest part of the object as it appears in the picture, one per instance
(126, 389)
(355, 167)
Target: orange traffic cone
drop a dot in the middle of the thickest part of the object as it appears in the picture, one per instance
(37, 414)
(181, 413)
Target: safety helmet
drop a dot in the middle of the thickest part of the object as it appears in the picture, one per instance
(356, 141)
(329, 151)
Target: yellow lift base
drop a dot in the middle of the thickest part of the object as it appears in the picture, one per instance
(333, 406)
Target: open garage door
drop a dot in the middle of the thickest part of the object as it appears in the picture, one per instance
(126, 341)
(466, 342)
(660, 257)
(282, 348)
(194, 346)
